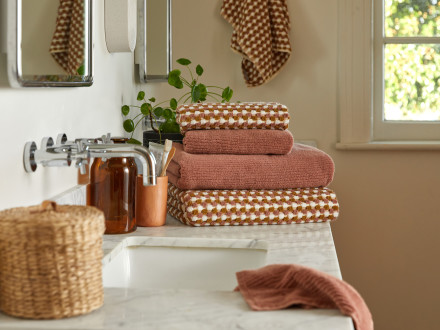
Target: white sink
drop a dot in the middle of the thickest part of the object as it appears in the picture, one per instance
(181, 263)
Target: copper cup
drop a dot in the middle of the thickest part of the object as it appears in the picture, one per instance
(151, 202)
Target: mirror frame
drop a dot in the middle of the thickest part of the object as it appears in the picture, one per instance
(141, 52)
(14, 39)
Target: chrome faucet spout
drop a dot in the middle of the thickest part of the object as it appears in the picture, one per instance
(64, 152)
(145, 157)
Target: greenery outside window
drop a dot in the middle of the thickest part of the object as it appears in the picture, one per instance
(389, 74)
(406, 66)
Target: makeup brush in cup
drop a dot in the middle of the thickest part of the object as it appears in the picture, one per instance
(170, 156)
(166, 150)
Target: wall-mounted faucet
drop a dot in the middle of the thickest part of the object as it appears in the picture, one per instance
(64, 152)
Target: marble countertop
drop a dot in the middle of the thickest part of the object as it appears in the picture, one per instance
(306, 244)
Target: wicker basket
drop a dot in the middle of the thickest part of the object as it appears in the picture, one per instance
(51, 260)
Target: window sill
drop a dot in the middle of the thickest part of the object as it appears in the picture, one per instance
(390, 145)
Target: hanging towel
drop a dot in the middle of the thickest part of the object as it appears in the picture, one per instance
(67, 47)
(260, 35)
(238, 142)
(245, 115)
(252, 207)
(303, 167)
(282, 286)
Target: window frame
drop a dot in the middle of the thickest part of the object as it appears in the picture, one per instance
(360, 84)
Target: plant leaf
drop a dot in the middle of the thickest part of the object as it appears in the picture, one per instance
(158, 112)
(183, 61)
(141, 96)
(81, 70)
(199, 70)
(146, 108)
(227, 94)
(125, 110)
(170, 127)
(128, 125)
(174, 79)
(173, 103)
(179, 84)
(152, 99)
(199, 93)
(167, 114)
(134, 141)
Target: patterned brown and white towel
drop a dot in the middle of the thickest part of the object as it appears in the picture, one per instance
(252, 207)
(245, 115)
(261, 36)
(67, 47)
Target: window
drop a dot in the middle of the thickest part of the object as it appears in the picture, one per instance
(389, 84)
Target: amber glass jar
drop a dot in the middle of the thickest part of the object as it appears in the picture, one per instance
(112, 189)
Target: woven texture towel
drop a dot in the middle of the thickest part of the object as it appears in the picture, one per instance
(252, 207)
(67, 47)
(261, 35)
(239, 142)
(246, 115)
(303, 167)
(281, 286)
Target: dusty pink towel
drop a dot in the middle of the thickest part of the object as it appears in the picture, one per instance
(239, 142)
(303, 167)
(281, 286)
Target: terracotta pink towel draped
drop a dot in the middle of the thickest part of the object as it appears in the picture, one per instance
(282, 286)
(303, 167)
(67, 46)
(260, 35)
(239, 142)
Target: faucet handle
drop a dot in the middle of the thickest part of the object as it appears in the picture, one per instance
(61, 138)
(107, 139)
(29, 162)
(46, 142)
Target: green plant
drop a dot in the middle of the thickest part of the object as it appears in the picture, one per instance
(166, 110)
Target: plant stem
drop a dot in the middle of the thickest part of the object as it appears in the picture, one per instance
(214, 94)
(140, 114)
(151, 123)
(189, 93)
(192, 77)
(186, 82)
(161, 103)
(214, 97)
(135, 127)
(187, 99)
(215, 87)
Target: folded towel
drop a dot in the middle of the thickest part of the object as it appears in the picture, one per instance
(281, 286)
(252, 207)
(303, 167)
(239, 142)
(246, 115)
(261, 36)
(67, 46)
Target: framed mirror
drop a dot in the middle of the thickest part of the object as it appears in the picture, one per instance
(153, 44)
(49, 43)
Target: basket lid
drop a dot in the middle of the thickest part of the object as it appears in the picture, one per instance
(52, 223)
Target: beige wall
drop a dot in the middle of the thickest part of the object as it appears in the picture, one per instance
(387, 234)
(39, 18)
(33, 113)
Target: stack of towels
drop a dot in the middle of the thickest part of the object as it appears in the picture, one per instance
(238, 165)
